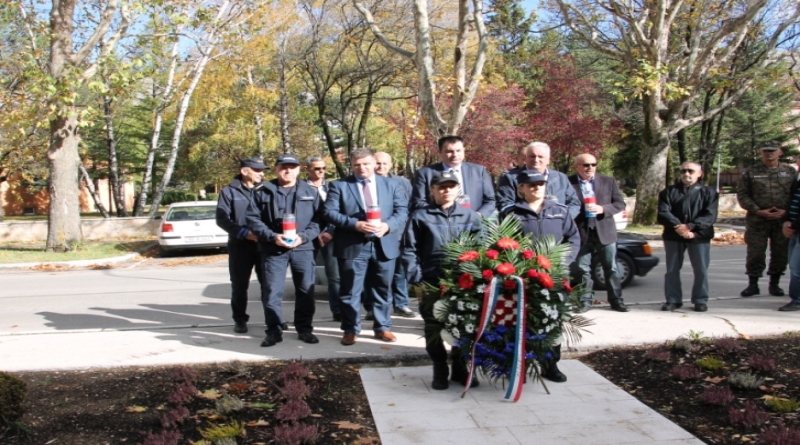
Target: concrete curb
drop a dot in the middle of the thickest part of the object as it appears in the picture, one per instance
(80, 263)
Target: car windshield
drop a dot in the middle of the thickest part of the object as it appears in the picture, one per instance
(191, 213)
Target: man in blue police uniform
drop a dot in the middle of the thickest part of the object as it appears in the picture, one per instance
(366, 250)
(243, 253)
(286, 195)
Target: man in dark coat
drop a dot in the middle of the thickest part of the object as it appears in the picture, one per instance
(600, 200)
(242, 243)
(687, 210)
(475, 181)
(281, 249)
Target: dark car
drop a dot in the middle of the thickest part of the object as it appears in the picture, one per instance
(634, 258)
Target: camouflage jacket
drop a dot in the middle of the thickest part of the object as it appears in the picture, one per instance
(762, 188)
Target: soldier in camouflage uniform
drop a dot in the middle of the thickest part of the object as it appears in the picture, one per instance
(764, 190)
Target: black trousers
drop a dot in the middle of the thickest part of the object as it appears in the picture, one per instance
(243, 256)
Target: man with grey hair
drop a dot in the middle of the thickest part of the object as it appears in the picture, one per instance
(315, 174)
(400, 300)
(687, 210)
(559, 189)
(367, 249)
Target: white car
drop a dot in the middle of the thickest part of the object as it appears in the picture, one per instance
(621, 219)
(191, 225)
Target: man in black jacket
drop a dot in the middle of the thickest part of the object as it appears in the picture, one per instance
(242, 243)
(687, 210)
(281, 250)
(601, 199)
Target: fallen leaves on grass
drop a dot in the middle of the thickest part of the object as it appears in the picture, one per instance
(135, 409)
(51, 267)
(210, 394)
(259, 422)
(347, 425)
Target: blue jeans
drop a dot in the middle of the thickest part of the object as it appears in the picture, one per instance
(332, 274)
(608, 260)
(699, 256)
(366, 268)
(794, 269)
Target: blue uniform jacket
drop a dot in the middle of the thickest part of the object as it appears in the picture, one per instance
(262, 218)
(558, 185)
(554, 219)
(234, 199)
(427, 231)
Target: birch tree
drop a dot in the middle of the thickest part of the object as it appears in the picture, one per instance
(671, 49)
(463, 84)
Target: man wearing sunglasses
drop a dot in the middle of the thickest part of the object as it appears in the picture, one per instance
(601, 200)
(764, 190)
(687, 210)
(315, 174)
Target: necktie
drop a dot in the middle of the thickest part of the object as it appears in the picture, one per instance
(367, 194)
(460, 187)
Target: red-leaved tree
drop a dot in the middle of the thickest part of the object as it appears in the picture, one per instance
(569, 112)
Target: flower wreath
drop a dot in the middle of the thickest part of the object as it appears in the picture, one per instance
(493, 281)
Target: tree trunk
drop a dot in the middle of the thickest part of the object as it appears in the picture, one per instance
(113, 163)
(653, 164)
(361, 135)
(98, 202)
(283, 101)
(257, 118)
(64, 217)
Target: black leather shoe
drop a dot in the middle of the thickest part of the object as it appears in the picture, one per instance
(285, 327)
(700, 307)
(791, 307)
(776, 290)
(370, 316)
(554, 374)
(440, 373)
(619, 307)
(671, 306)
(459, 375)
(404, 312)
(240, 327)
(308, 337)
(271, 340)
(337, 317)
(750, 290)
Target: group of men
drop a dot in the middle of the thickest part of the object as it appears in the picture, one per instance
(356, 225)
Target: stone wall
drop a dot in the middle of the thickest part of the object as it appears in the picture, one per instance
(94, 229)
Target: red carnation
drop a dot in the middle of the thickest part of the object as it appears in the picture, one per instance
(567, 286)
(465, 281)
(487, 274)
(543, 262)
(468, 256)
(507, 244)
(510, 284)
(546, 281)
(532, 274)
(505, 269)
(528, 254)
(492, 254)
(442, 289)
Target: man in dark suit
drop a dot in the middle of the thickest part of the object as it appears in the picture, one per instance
(475, 180)
(366, 249)
(600, 200)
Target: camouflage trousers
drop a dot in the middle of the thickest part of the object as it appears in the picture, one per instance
(759, 233)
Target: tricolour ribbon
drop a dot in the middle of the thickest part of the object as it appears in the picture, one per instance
(490, 298)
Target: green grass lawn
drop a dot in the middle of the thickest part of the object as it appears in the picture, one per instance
(83, 252)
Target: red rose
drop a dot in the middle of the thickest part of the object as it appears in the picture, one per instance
(528, 254)
(546, 281)
(468, 256)
(487, 274)
(465, 281)
(567, 286)
(505, 269)
(532, 274)
(507, 244)
(510, 284)
(492, 254)
(442, 289)
(543, 262)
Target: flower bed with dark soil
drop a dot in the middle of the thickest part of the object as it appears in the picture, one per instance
(701, 384)
(249, 401)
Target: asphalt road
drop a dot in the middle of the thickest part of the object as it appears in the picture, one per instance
(151, 295)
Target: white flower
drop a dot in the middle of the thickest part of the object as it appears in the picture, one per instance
(440, 310)
(481, 289)
(447, 338)
(545, 292)
(469, 327)
(460, 305)
(509, 303)
(453, 298)
(452, 318)
(455, 333)
(473, 306)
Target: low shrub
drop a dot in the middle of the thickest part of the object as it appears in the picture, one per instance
(727, 345)
(780, 435)
(657, 355)
(745, 380)
(716, 395)
(710, 363)
(686, 372)
(760, 363)
(749, 417)
(781, 405)
(12, 394)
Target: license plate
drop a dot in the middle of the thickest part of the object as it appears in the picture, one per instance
(199, 239)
